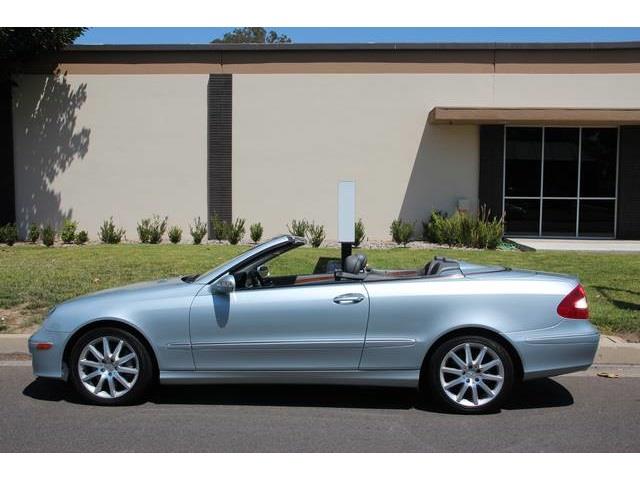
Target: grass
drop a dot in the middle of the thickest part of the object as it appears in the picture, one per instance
(34, 278)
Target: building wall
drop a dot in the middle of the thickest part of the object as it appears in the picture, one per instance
(94, 146)
(296, 136)
(89, 146)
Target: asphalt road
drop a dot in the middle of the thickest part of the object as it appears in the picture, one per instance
(565, 414)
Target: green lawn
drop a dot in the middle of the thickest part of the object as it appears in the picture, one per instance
(33, 278)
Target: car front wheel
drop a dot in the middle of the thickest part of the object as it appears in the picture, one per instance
(471, 374)
(109, 366)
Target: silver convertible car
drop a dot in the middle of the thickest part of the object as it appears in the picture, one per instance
(464, 333)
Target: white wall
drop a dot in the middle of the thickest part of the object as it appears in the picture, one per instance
(94, 146)
(296, 136)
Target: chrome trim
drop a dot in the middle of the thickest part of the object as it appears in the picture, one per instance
(281, 344)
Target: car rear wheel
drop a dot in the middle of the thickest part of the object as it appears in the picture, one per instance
(471, 374)
(110, 366)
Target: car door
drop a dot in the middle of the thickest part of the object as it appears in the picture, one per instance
(303, 327)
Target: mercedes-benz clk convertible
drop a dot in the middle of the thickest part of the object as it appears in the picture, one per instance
(463, 333)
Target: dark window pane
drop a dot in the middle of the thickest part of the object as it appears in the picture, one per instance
(559, 217)
(596, 218)
(522, 217)
(561, 162)
(598, 168)
(523, 159)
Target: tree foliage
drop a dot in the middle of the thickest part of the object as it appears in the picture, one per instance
(20, 44)
(252, 35)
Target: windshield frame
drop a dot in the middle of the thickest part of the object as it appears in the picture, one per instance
(250, 255)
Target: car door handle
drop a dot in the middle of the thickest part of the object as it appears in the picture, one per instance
(348, 298)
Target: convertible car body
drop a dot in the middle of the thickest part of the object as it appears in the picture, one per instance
(462, 331)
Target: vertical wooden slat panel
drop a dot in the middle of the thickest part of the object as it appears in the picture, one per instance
(219, 168)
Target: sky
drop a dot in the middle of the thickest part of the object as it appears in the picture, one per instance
(365, 34)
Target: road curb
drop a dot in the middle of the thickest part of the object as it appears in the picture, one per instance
(611, 351)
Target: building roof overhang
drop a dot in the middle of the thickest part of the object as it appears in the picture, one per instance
(533, 116)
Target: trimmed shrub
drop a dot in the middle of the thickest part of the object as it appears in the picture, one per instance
(48, 235)
(315, 234)
(359, 233)
(461, 229)
(82, 237)
(432, 229)
(198, 230)
(219, 228)
(9, 234)
(33, 234)
(151, 230)
(298, 228)
(401, 232)
(235, 231)
(109, 233)
(68, 233)
(175, 234)
(255, 231)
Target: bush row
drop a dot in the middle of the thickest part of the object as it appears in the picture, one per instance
(45, 233)
(458, 230)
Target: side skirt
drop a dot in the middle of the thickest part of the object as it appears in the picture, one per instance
(382, 378)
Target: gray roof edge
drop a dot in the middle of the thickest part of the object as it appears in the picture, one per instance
(214, 47)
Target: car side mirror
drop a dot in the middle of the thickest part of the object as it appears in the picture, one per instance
(224, 285)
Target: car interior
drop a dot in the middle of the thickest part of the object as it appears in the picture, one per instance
(256, 274)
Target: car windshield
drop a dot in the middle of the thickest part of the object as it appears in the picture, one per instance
(268, 245)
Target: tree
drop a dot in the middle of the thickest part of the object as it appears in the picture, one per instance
(17, 46)
(21, 44)
(252, 35)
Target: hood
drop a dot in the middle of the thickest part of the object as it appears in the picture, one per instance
(134, 288)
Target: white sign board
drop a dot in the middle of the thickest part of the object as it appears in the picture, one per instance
(346, 211)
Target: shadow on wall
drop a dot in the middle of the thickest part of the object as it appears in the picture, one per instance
(47, 141)
(445, 169)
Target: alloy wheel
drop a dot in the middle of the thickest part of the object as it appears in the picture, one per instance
(108, 367)
(471, 374)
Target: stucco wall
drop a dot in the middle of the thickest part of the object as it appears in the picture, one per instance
(296, 136)
(94, 146)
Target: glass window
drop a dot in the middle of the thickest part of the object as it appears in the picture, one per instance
(523, 160)
(561, 162)
(598, 167)
(597, 218)
(559, 217)
(522, 217)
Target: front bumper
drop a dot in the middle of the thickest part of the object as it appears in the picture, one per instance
(48, 363)
(569, 346)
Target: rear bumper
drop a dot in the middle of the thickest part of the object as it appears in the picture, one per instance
(567, 347)
(48, 363)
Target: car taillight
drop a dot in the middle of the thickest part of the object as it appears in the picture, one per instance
(574, 305)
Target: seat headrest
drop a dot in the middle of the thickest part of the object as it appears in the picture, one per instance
(355, 263)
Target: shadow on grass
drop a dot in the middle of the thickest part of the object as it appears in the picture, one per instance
(545, 393)
(609, 292)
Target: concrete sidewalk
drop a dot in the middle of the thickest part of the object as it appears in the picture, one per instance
(612, 350)
(584, 245)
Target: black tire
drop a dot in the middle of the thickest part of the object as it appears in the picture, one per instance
(432, 376)
(145, 376)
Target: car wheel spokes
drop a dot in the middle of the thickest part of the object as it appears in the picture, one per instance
(108, 367)
(471, 374)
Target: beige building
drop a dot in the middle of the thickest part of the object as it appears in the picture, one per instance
(548, 134)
